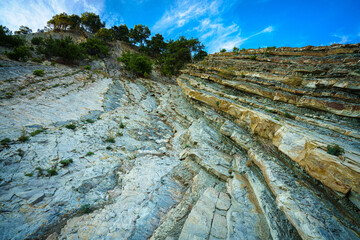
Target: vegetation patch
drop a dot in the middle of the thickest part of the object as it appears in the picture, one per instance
(89, 154)
(85, 208)
(71, 126)
(136, 63)
(51, 172)
(37, 132)
(19, 53)
(66, 162)
(29, 174)
(39, 72)
(37, 41)
(38, 60)
(23, 138)
(110, 140)
(335, 150)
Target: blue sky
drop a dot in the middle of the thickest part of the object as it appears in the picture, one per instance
(217, 23)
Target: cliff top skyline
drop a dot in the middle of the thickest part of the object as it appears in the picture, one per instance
(218, 23)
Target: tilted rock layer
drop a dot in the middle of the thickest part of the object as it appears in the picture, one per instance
(284, 108)
(237, 149)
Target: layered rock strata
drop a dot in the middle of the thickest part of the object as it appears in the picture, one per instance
(285, 108)
(236, 151)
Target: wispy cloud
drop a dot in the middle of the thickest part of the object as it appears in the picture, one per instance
(36, 13)
(343, 39)
(204, 18)
(183, 12)
(217, 36)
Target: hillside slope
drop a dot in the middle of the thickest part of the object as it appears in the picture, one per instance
(236, 150)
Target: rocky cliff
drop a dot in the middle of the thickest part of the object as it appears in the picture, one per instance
(260, 144)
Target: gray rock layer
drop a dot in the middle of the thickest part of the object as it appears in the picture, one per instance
(120, 157)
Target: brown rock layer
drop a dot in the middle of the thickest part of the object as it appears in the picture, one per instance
(299, 101)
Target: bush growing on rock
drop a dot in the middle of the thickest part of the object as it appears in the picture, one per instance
(65, 48)
(39, 73)
(66, 162)
(19, 53)
(335, 150)
(8, 40)
(96, 47)
(85, 208)
(136, 63)
(37, 41)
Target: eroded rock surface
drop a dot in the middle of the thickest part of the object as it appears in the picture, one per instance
(236, 150)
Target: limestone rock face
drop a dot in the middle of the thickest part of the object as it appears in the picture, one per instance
(235, 148)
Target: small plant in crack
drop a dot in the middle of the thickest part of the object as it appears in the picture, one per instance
(36, 132)
(51, 172)
(5, 141)
(28, 174)
(71, 126)
(90, 120)
(40, 171)
(122, 125)
(23, 137)
(88, 154)
(20, 152)
(66, 162)
(110, 139)
(86, 208)
(109, 148)
(335, 150)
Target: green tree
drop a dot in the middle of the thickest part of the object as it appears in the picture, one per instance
(23, 30)
(156, 46)
(91, 22)
(200, 55)
(59, 22)
(96, 47)
(75, 22)
(139, 34)
(65, 48)
(178, 53)
(8, 40)
(105, 34)
(121, 33)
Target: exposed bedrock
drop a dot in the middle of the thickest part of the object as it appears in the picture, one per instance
(286, 109)
(237, 149)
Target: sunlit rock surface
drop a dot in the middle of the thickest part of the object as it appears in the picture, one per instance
(236, 148)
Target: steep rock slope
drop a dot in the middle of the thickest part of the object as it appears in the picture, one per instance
(213, 158)
(283, 107)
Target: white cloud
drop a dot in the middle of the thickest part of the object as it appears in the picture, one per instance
(36, 13)
(185, 11)
(343, 39)
(206, 16)
(216, 36)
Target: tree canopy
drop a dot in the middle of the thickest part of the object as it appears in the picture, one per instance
(121, 32)
(139, 34)
(91, 22)
(23, 30)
